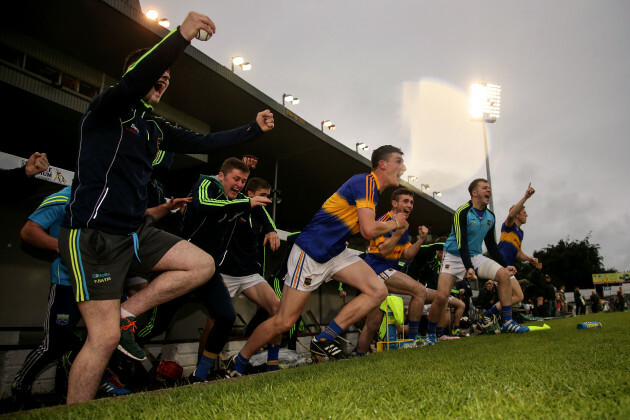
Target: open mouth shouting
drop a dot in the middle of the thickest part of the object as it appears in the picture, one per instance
(232, 193)
(160, 86)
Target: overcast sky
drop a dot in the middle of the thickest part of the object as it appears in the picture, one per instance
(400, 73)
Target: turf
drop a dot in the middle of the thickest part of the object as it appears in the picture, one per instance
(559, 373)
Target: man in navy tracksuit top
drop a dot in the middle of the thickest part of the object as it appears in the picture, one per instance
(241, 269)
(103, 235)
(209, 222)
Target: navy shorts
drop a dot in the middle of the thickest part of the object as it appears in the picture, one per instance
(98, 262)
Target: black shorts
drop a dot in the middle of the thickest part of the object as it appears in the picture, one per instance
(98, 262)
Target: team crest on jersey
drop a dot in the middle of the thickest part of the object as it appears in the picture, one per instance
(489, 222)
(446, 266)
(63, 319)
(133, 130)
(474, 223)
(308, 281)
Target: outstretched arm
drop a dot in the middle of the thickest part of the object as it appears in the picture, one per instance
(141, 76)
(162, 210)
(532, 260)
(516, 209)
(185, 141)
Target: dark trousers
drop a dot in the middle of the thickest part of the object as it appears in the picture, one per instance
(214, 296)
(580, 309)
(61, 319)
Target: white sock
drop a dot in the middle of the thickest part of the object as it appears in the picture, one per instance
(125, 314)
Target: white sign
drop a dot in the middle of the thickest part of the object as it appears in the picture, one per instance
(52, 174)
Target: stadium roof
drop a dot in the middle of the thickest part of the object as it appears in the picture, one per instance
(99, 33)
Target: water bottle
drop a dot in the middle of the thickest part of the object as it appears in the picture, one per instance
(392, 333)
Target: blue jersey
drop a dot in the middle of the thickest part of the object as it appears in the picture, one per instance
(468, 233)
(49, 215)
(380, 264)
(338, 219)
(510, 242)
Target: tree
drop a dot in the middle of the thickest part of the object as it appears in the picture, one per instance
(569, 262)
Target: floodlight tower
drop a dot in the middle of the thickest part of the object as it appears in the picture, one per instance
(485, 106)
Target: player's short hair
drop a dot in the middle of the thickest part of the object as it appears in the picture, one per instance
(233, 163)
(512, 206)
(474, 184)
(383, 153)
(440, 239)
(256, 184)
(401, 191)
(133, 58)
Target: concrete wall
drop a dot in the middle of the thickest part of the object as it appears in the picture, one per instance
(184, 353)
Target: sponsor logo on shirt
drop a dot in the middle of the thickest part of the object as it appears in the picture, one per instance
(133, 130)
(63, 319)
(101, 278)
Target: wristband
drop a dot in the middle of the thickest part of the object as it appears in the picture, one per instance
(397, 224)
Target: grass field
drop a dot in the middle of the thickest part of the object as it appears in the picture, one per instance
(555, 374)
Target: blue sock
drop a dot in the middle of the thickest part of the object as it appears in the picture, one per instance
(272, 357)
(492, 311)
(413, 329)
(205, 364)
(439, 331)
(330, 332)
(199, 357)
(357, 353)
(507, 314)
(432, 326)
(240, 363)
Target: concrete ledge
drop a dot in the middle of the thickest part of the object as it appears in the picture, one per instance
(184, 353)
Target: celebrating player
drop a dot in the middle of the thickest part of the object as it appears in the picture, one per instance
(473, 224)
(103, 235)
(320, 254)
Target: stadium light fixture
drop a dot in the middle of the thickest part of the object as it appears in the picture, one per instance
(240, 61)
(361, 146)
(164, 22)
(289, 98)
(436, 194)
(485, 106)
(328, 124)
(485, 102)
(411, 178)
(151, 14)
(426, 187)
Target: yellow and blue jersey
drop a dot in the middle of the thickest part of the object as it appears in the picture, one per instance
(510, 242)
(377, 262)
(325, 236)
